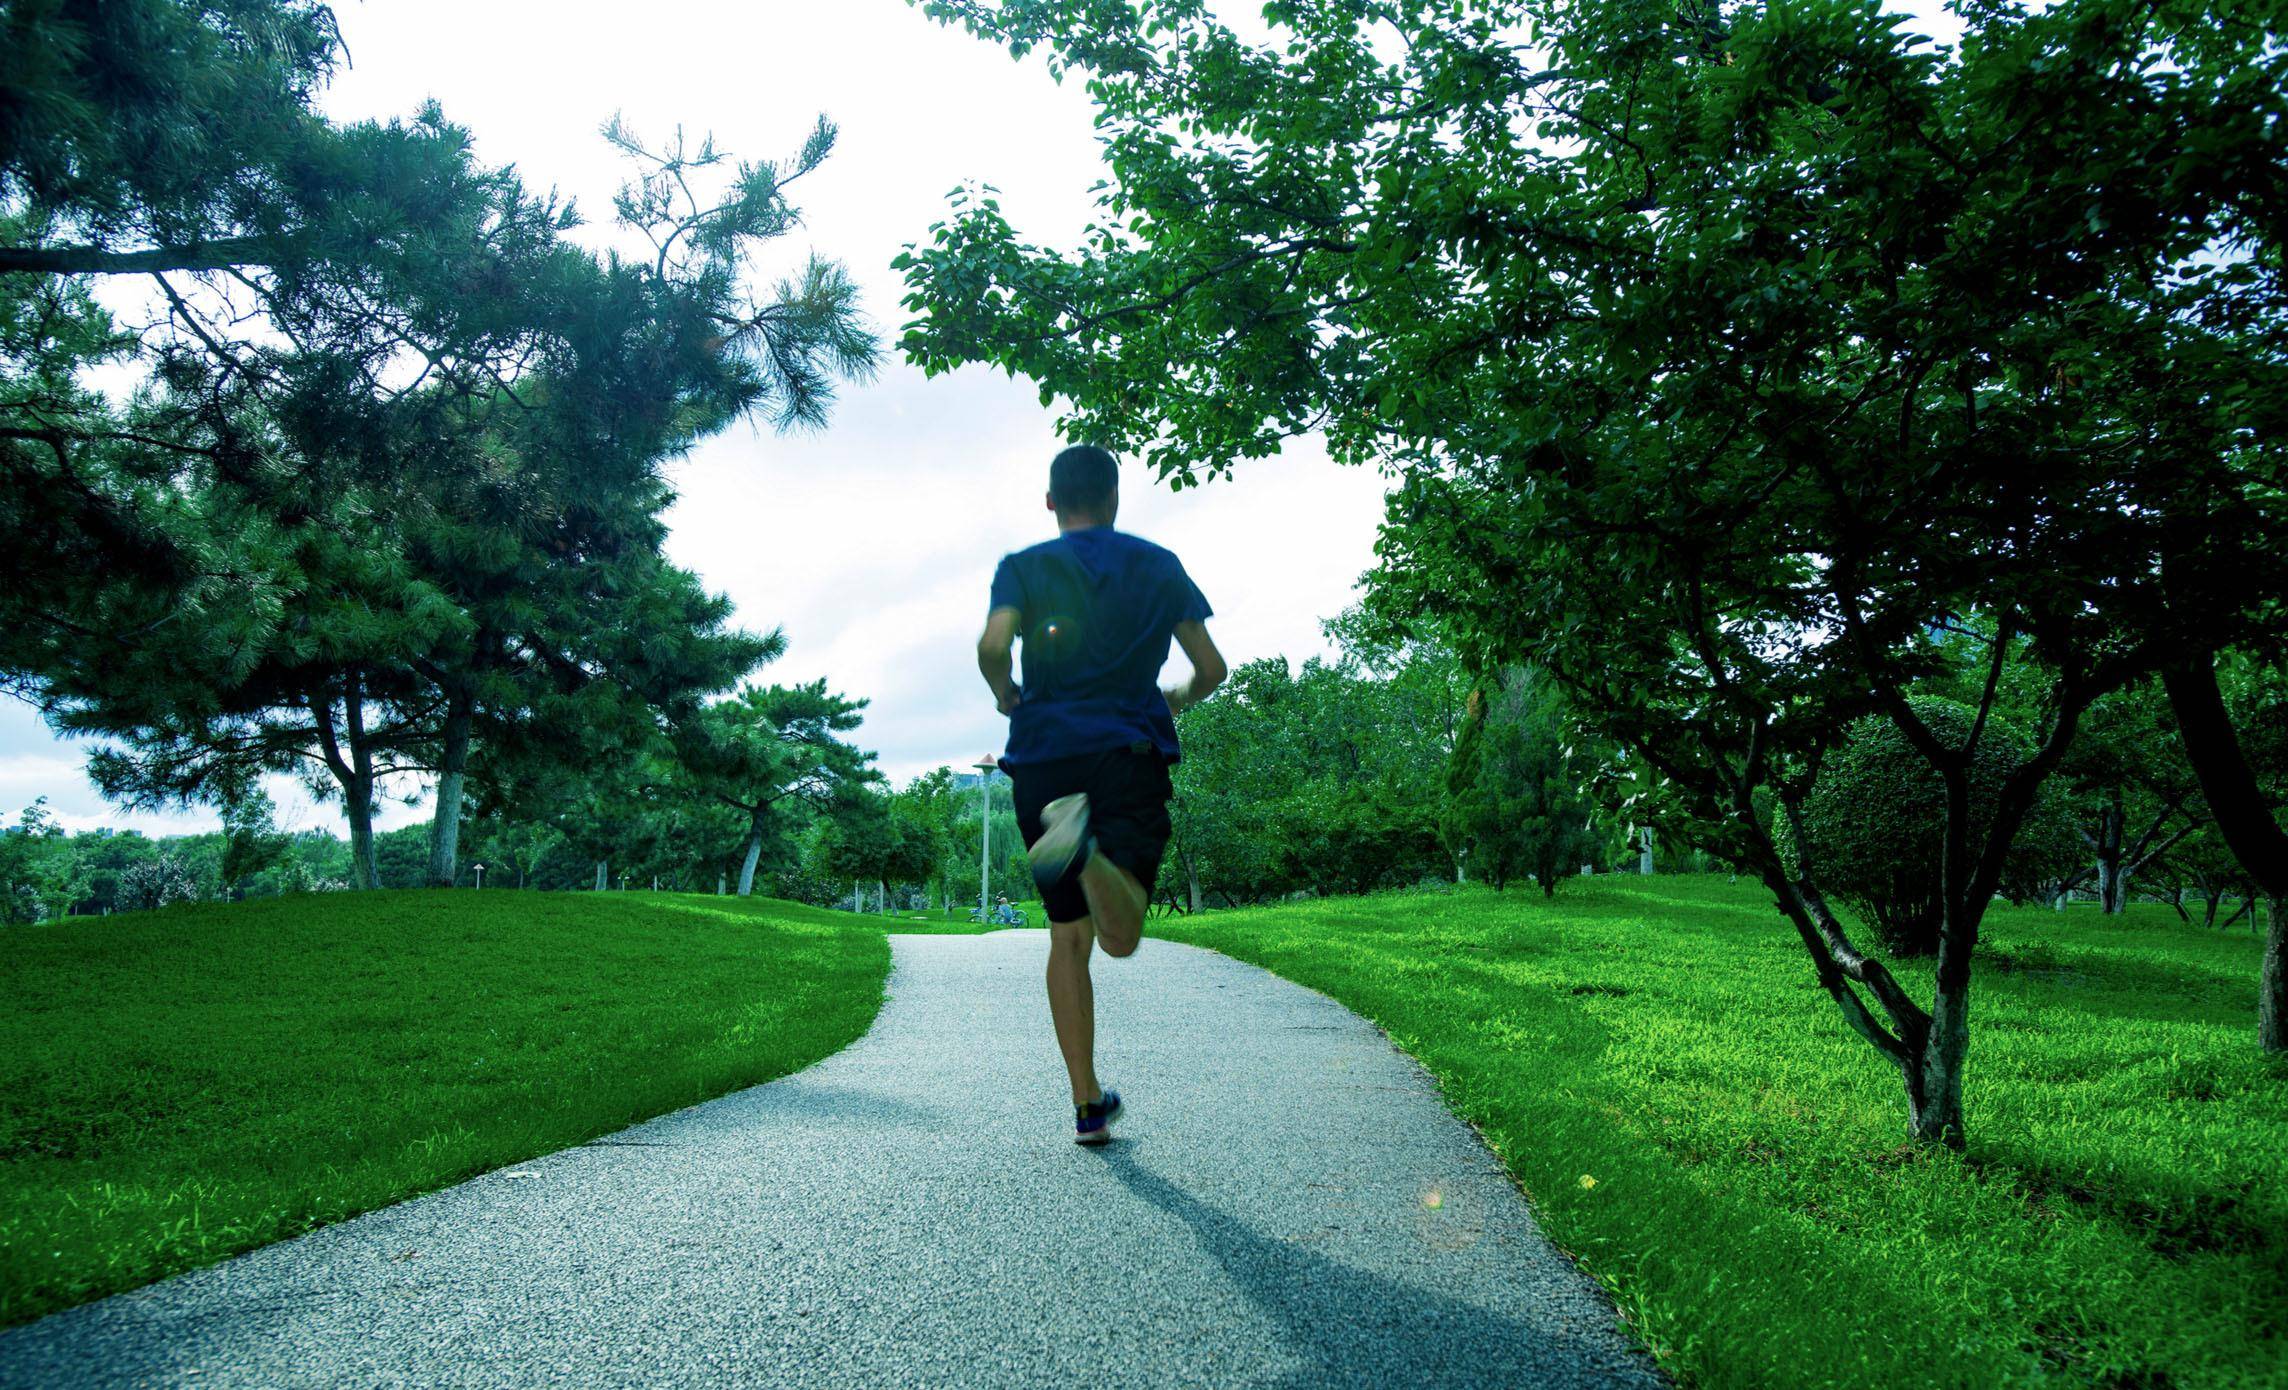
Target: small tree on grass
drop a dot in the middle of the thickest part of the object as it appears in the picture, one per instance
(1234, 787)
(42, 874)
(1516, 791)
(251, 840)
(2134, 792)
(160, 881)
(926, 808)
(1874, 826)
(770, 745)
(868, 841)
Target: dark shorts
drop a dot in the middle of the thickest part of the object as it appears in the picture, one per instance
(1128, 791)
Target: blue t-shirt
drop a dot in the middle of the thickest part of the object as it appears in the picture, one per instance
(1096, 610)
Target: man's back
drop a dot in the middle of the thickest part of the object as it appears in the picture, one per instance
(1096, 609)
(1092, 736)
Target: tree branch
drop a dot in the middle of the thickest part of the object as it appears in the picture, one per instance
(197, 255)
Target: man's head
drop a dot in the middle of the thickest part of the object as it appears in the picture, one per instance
(1084, 487)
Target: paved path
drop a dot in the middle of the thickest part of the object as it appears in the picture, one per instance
(911, 1212)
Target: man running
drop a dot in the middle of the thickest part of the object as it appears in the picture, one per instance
(1092, 735)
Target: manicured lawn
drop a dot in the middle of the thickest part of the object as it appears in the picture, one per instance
(178, 1086)
(1655, 1065)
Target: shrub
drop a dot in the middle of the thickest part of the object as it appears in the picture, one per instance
(1877, 818)
(157, 882)
(21, 903)
(297, 876)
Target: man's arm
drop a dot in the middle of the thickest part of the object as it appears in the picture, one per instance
(993, 659)
(1208, 669)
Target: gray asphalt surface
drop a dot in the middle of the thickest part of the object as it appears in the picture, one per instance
(1289, 1204)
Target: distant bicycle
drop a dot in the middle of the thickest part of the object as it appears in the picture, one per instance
(1003, 916)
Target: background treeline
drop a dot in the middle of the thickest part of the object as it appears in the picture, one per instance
(1391, 765)
(907, 851)
(1386, 766)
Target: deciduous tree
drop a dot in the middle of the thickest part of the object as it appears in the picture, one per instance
(1724, 355)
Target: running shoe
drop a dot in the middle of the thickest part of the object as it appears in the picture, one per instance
(1065, 843)
(1092, 1123)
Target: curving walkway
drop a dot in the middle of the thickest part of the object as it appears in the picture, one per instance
(1289, 1204)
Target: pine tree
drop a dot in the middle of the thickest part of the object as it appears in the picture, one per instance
(771, 745)
(396, 491)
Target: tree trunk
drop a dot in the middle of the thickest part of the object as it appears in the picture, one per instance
(882, 898)
(2109, 894)
(2242, 817)
(722, 885)
(445, 825)
(1192, 883)
(218, 254)
(2272, 982)
(352, 773)
(753, 855)
(357, 804)
(1934, 1080)
(358, 794)
(603, 874)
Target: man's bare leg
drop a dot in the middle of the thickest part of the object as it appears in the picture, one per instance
(1116, 901)
(1072, 1005)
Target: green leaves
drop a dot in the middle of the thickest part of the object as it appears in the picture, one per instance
(400, 452)
(1721, 358)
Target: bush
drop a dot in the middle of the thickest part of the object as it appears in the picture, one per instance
(22, 903)
(157, 882)
(298, 876)
(1877, 820)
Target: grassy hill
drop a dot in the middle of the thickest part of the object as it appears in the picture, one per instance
(1654, 1063)
(182, 1085)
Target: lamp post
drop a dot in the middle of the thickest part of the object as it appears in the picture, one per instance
(480, 875)
(986, 767)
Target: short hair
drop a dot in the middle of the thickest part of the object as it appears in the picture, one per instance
(1083, 479)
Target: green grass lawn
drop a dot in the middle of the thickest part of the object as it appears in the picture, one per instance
(1654, 1063)
(178, 1086)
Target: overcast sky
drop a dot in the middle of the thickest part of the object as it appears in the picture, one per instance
(871, 543)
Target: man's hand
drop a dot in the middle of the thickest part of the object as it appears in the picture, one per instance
(1008, 700)
(1208, 670)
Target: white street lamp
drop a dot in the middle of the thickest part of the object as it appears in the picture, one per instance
(986, 767)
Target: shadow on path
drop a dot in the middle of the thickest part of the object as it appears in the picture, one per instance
(803, 1099)
(1354, 1328)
